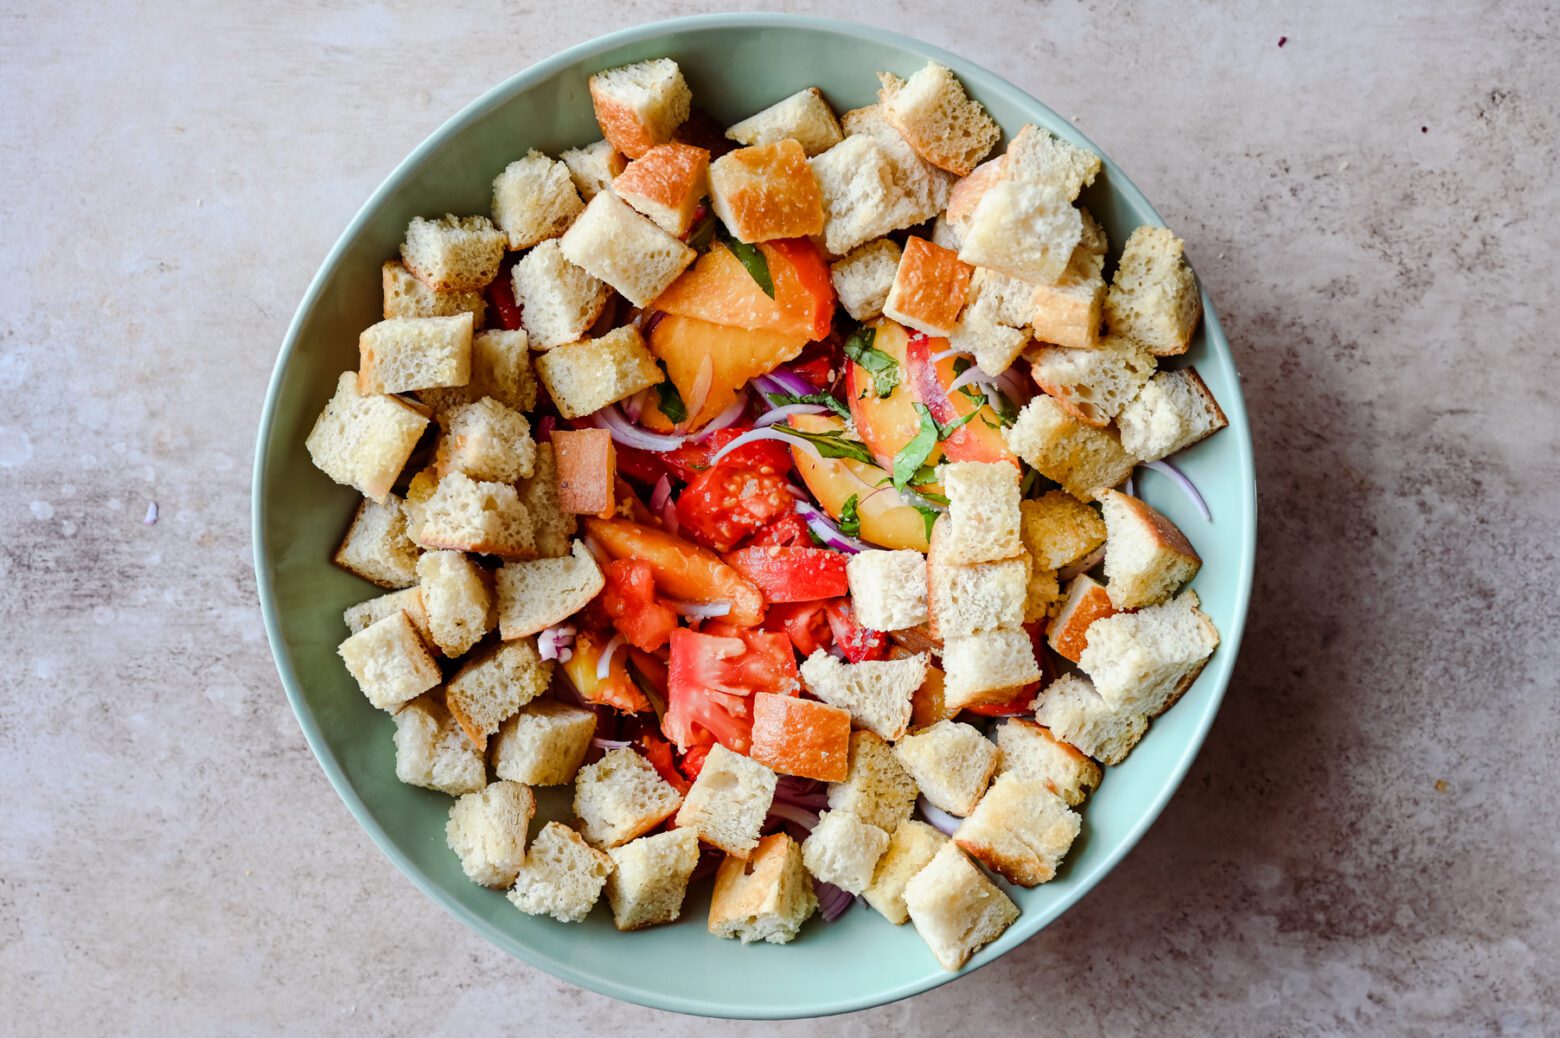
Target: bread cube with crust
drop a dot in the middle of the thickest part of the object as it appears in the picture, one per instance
(494, 685)
(876, 789)
(1093, 385)
(1070, 311)
(728, 801)
(453, 253)
(534, 594)
(487, 831)
(801, 737)
(922, 188)
(544, 744)
(930, 704)
(987, 667)
(1086, 601)
(843, 850)
(1058, 530)
(1170, 413)
(403, 354)
(983, 513)
(955, 908)
(804, 117)
(458, 596)
(487, 441)
(554, 528)
(986, 596)
(362, 440)
(765, 897)
(929, 288)
(500, 368)
(940, 121)
(767, 191)
(951, 763)
(666, 184)
(405, 296)
(1023, 229)
(559, 300)
(911, 848)
(968, 190)
(862, 279)
(585, 376)
(1030, 750)
(431, 751)
(1020, 829)
(593, 167)
(876, 692)
(464, 514)
(389, 662)
(1153, 298)
(994, 346)
(1073, 712)
(650, 878)
(1041, 156)
(1149, 557)
(861, 200)
(376, 546)
(620, 797)
(561, 876)
(587, 471)
(1080, 457)
(407, 600)
(888, 589)
(1043, 593)
(641, 105)
(624, 249)
(1145, 661)
(534, 199)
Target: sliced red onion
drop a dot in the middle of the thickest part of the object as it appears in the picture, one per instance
(151, 514)
(1129, 487)
(545, 427)
(780, 414)
(939, 819)
(972, 374)
(771, 433)
(808, 794)
(822, 524)
(790, 382)
(833, 901)
(726, 418)
(791, 813)
(556, 643)
(625, 432)
(1015, 388)
(942, 355)
(655, 317)
(797, 492)
(1083, 565)
(701, 386)
(1187, 486)
(634, 406)
(700, 610)
(610, 744)
(604, 665)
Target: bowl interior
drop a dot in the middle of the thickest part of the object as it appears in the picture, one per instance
(735, 65)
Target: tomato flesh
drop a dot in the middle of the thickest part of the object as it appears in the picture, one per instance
(789, 531)
(858, 643)
(694, 458)
(726, 504)
(658, 752)
(711, 681)
(500, 295)
(786, 574)
(630, 605)
(805, 623)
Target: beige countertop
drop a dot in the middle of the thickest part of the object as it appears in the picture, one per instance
(1366, 845)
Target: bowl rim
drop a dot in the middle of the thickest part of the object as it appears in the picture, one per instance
(1028, 924)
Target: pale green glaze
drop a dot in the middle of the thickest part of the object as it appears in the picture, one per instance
(736, 64)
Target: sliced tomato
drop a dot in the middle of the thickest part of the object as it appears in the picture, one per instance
(500, 295)
(658, 752)
(693, 761)
(682, 570)
(641, 466)
(786, 574)
(789, 530)
(726, 504)
(693, 458)
(630, 604)
(711, 681)
(1024, 696)
(855, 641)
(805, 623)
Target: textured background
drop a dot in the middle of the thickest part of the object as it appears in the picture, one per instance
(1367, 844)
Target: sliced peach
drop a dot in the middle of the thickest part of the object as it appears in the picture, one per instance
(719, 289)
(885, 519)
(683, 570)
(886, 424)
(979, 439)
(731, 355)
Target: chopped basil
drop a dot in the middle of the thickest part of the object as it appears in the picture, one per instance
(668, 401)
(830, 444)
(912, 456)
(1004, 407)
(1007, 414)
(817, 541)
(703, 233)
(752, 258)
(822, 399)
(883, 368)
(928, 517)
(850, 521)
(934, 498)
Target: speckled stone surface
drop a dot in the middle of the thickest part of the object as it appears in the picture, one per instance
(1368, 842)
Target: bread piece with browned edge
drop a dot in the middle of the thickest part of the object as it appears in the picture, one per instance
(488, 830)
(986, 667)
(1061, 448)
(587, 471)
(1030, 750)
(801, 737)
(593, 167)
(1169, 414)
(621, 796)
(561, 876)
(389, 662)
(544, 744)
(453, 253)
(804, 117)
(650, 878)
(407, 600)
(929, 288)
(940, 121)
(765, 897)
(877, 789)
(362, 440)
(432, 752)
(1024, 229)
(1092, 385)
(583, 377)
(876, 692)
(1073, 712)
(1041, 156)
(625, 249)
(913, 845)
(405, 296)
(554, 528)
(494, 685)
(666, 184)
(951, 763)
(728, 801)
(1145, 661)
(1020, 829)
(1086, 601)
(955, 908)
(500, 368)
(376, 546)
(534, 199)
(534, 594)
(1149, 557)
(641, 105)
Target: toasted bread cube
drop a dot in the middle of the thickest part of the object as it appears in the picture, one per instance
(1039, 155)
(888, 589)
(404, 354)
(987, 596)
(389, 662)
(405, 296)
(534, 199)
(666, 184)
(862, 280)
(767, 191)
(1149, 557)
(487, 831)
(458, 597)
(586, 376)
(1093, 385)
(1145, 661)
(1086, 602)
(876, 789)
(930, 704)
(641, 105)
(843, 850)
(431, 752)
(493, 686)
(1006, 300)
(454, 253)
(500, 368)
(911, 848)
(994, 346)
(593, 167)
(535, 594)
(801, 737)
(861, 200)
(1069, 312)
(487, 441)
(729, 801)
(1058, 530)
(559, 300)
(941, 122)
(587, 471)
(970, 189)
(929, 288)
(951, 763)
(987, 667)
(876, 692)
(650, 877)
(624, 249)
(561, 876)
(983, 514)
(804, 117)
(467, 515)
(1073, 712)
(376, 546)
(1172, 412)
(363, 440)
(1043, 593)
(921, 188)
(1030, 750)
(1080, 457)
(1024, 229)
(1020, 829)
(553, 526)
(407, 600)
(620, 797)
(955, 908)
(946, 233)
(544, 744)
(766, 897)
(1153, 298)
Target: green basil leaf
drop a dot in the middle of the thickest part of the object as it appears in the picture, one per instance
(670, 402)
(928, 517)
(831, 444)
(883, 368)
(936, 499)
(912, 456)
(1004, 407)
(703, 233)
(752, 258)
(945, 431)
(822, 399)
(850, 521)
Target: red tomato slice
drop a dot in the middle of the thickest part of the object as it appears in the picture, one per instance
(792, 574)
(630, 604)
(641, 466)
(855, 641)
(805, 623)
(500, 294)
(711, 681)
(658, 752)
(693, 761)
(726, 504)
(691, 459)
(788, 531)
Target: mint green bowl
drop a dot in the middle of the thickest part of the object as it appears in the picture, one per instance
(736, 65)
